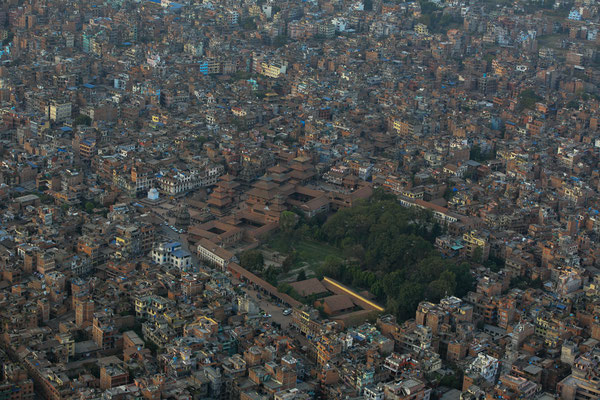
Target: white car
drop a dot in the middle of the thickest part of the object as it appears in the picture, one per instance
(287, 311)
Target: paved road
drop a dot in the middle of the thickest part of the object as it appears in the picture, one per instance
(268, 306)
(170, 235)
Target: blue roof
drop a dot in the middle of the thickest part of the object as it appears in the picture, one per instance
(89, 85)
(172, 245)
(181, 253)
(66, 129)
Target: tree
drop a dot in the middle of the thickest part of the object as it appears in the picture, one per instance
(82, 120)
(377, 289)
(301, 276)
(448, 193)
(93, 369)
(537, 283)
(46, 199)
(89, 207)
(280, 41)
(248, 24)
(152, 347)
(289, 261)
(332, 267)
(527, 99)
(271, 275)
(388, 249)
(408, 297)
(287, 221)
(442, 287)
(452, 380)
(464, 280)
(284, 288)
(477, 254)
(475, 153)
(252, 260)
(8, 39)
(240, 124)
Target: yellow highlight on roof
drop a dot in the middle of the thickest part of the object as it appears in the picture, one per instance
(353, 294)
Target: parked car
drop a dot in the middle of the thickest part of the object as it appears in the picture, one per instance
(287, 311)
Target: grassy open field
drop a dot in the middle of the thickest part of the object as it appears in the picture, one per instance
(310, 254)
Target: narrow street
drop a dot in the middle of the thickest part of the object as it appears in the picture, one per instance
(270, 307)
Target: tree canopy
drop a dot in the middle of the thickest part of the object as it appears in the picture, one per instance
(392, 255)
(287, 221)
(436, 20)
(527, 99)
(252, 260)
(82, 119)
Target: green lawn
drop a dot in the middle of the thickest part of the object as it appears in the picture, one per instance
(309, 252)
(552, 41)
(314, 253)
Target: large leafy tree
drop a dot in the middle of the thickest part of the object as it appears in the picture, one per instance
(288, 221)
(252, 260)
(392, 255)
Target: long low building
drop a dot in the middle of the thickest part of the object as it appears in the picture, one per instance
(241, 273)
(360, 300)
(215, 255)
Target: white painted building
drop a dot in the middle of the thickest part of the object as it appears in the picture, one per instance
(485, 366)
(171, 254)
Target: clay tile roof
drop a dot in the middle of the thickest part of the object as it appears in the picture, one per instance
(338, 302)
(308, 287)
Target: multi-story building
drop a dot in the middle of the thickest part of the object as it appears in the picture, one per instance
(327, 349)
(584, 381)
(407, 389)
(171, 254)
(483, 366)
(59, 112)
(103, 330)
(150, 306)
(215, 255)
(173, 182)
(133, 239)
(273, 69)
(477, 241)
(112, 376)
(87, 148)
(84, 311)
